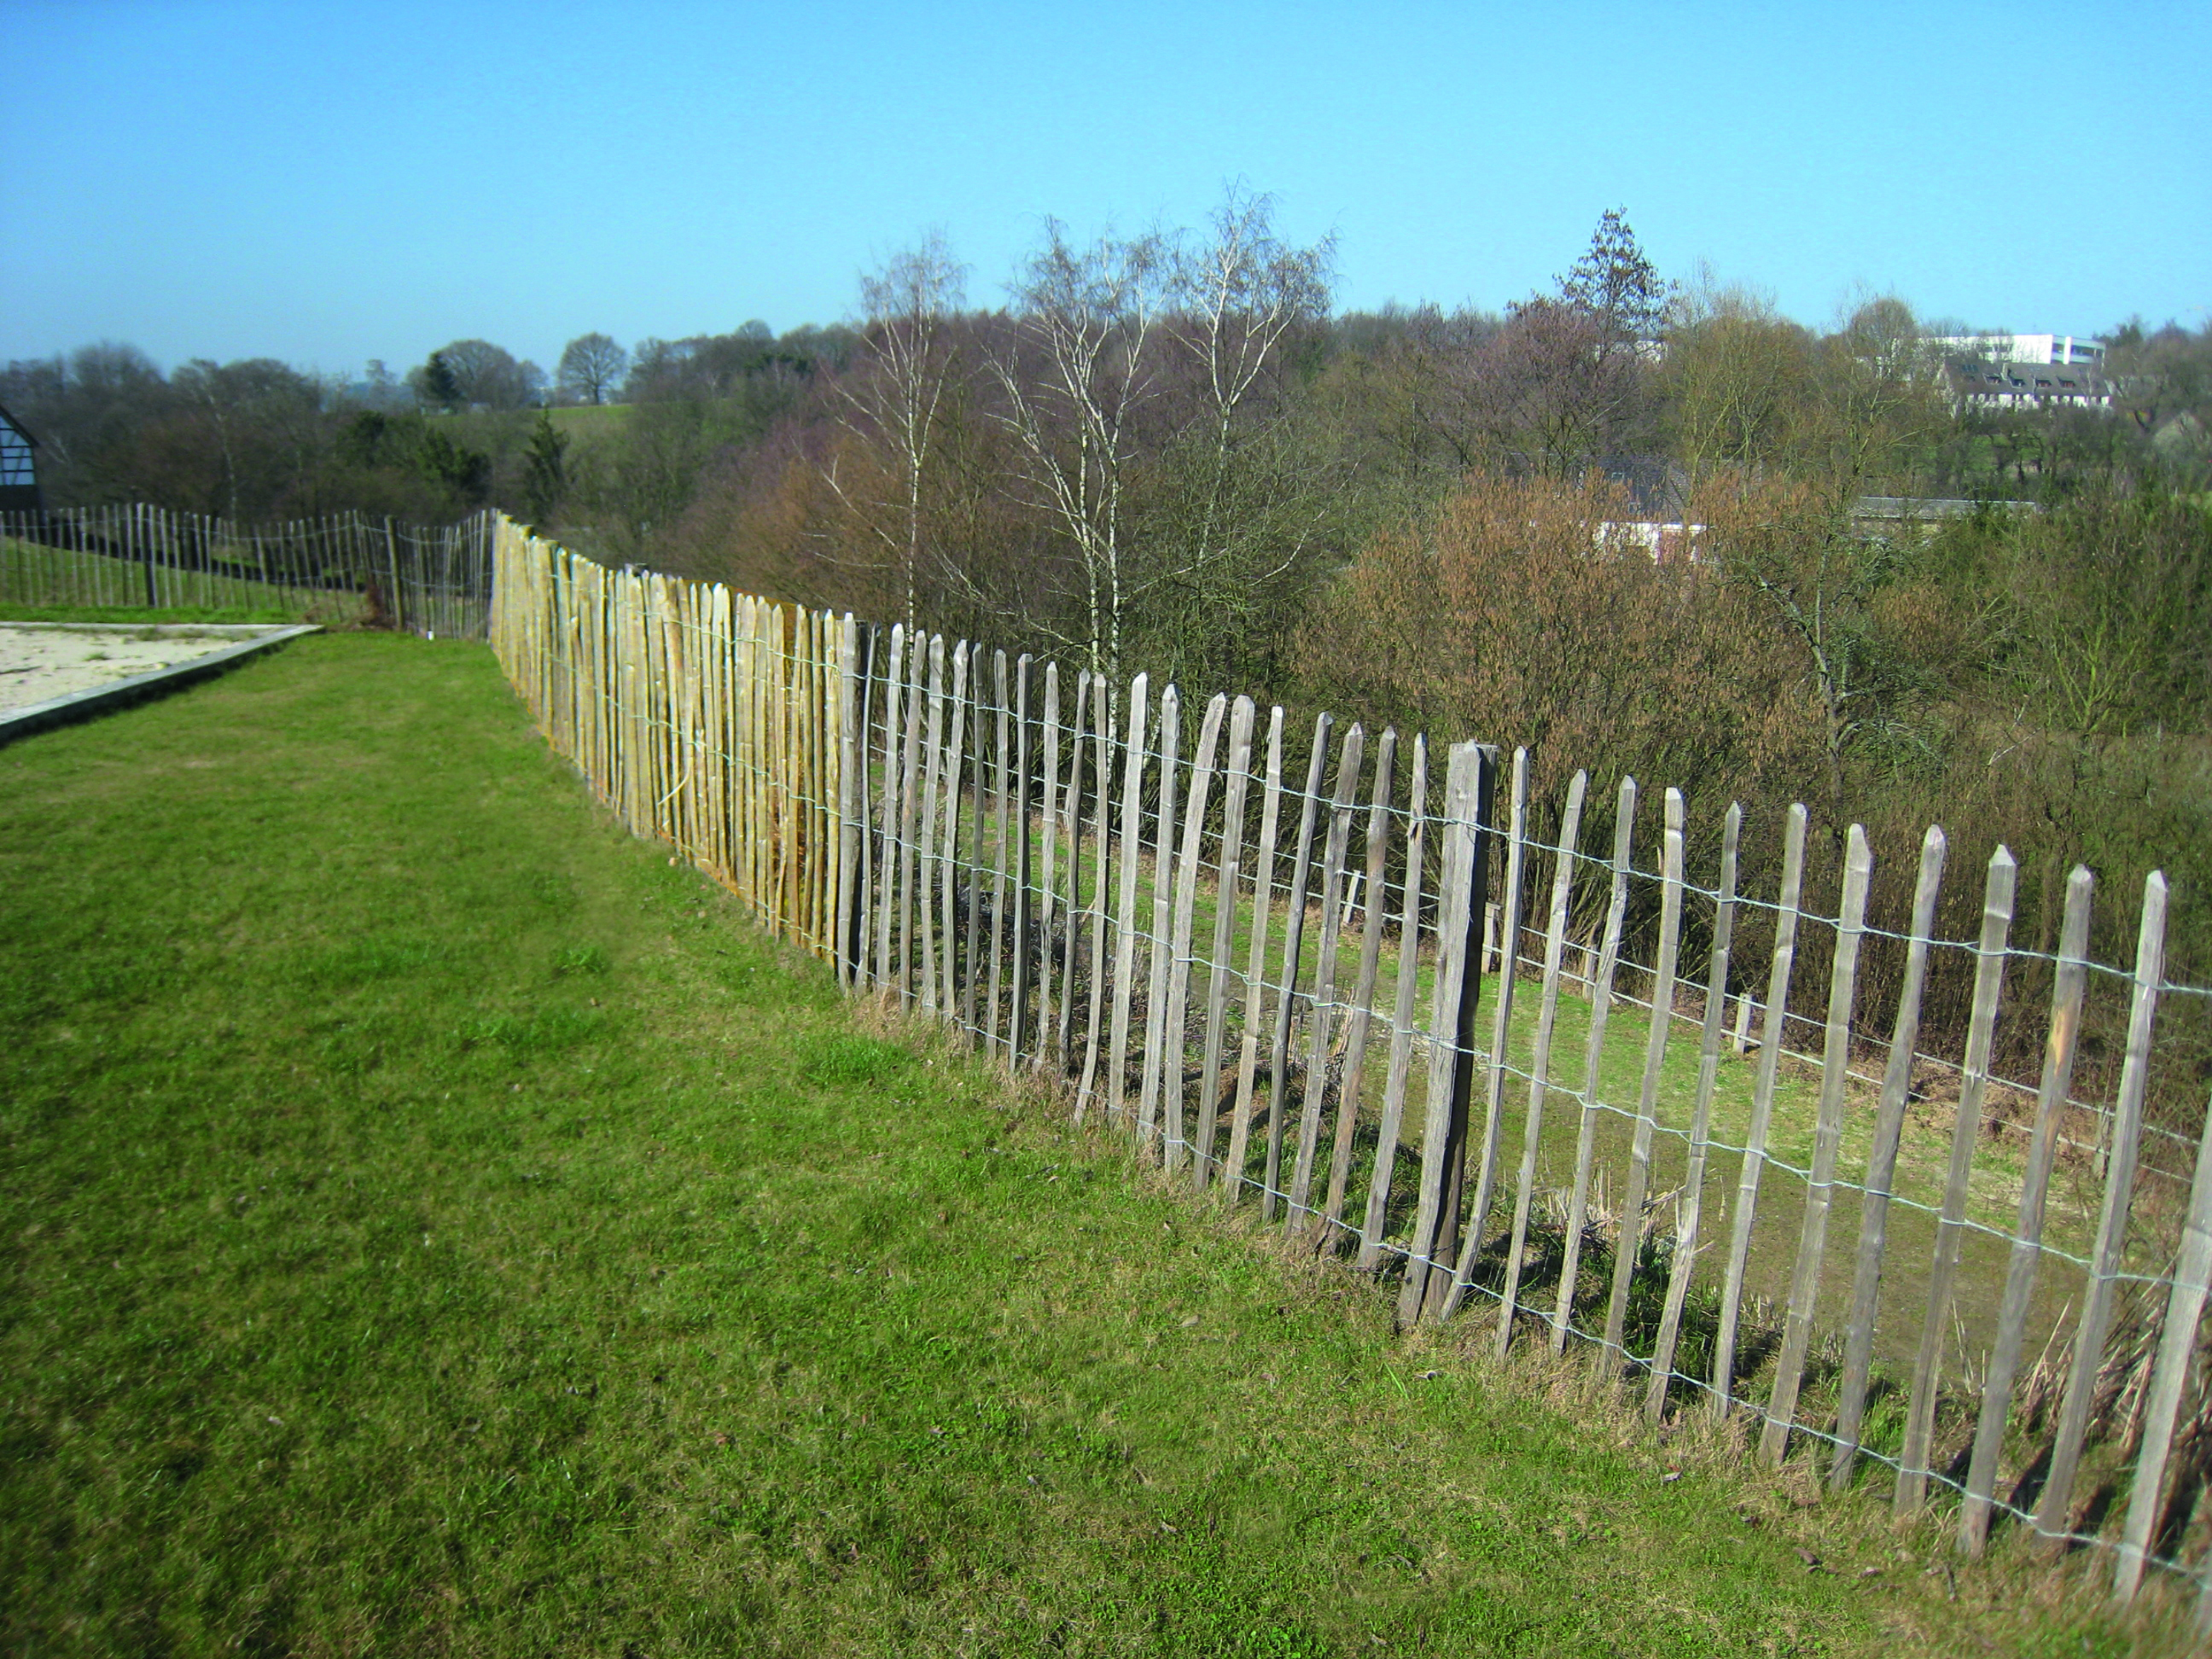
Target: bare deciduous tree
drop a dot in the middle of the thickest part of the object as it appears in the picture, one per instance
(1073, 375)
(592, 367)
(1238, 293)
(1739, 377)
(892, 402)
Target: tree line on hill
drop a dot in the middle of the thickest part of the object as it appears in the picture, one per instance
(1167, 450)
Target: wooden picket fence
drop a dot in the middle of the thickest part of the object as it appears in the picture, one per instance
(344, 567)
(1314, 997)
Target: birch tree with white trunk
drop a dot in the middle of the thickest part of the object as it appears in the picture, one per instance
(1073, 373)
(894, 402)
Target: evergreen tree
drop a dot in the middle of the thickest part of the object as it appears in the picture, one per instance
(544, 470)
(440, 387)
(1615, 283)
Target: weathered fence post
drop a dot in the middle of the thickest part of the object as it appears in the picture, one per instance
(2054, 1510)
(1159, 948)
(1429, 1262)
(1125, 942)
(2067, 986)
(1312, 1105)
(1256, 975)
(1225, 932)
(1762, 1106)
(1881, 1166)
(1600, 1018)
(1827, 1144)
(1629, 1244)
(1351, 1085)
(1402, 1014)
(1682, 1263)
(1974, 1084)
(1507, 919)
(1186, 902)
(1539, 1063)
(1287, 993)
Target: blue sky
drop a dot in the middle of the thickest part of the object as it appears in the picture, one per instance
(327, 184)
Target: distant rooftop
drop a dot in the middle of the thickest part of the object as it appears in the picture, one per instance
(2011, 383)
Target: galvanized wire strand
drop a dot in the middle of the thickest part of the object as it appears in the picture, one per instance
(1077, 901)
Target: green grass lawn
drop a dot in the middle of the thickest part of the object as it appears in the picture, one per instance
(435, 1223)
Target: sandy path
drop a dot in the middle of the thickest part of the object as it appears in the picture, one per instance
(40, 663)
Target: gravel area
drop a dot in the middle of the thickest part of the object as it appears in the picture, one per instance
(39, 661)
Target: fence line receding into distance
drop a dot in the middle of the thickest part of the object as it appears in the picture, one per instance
(343, 568)
(1273, 957)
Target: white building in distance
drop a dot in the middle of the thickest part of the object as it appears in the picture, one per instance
(2060, 348)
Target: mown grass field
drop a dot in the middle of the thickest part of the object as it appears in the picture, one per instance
(436, 1223)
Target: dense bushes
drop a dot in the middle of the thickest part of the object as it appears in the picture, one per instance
(2037, 680)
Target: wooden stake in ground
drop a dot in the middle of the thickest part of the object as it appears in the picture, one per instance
(851, 803)
(973, 1020)
(1231, 846)
(1540, 1061)
(2054, 1511)
(894, 684)
(1156, 949)
(1174, 1038)
(1402, 1015)
(1827, 1143)
(948, 895)
(1427, 1248)
(1001, 760)
(926, 908)
(1125, 943)
(1973, 1087)
(1286, 996)
(1072, 931)
(1312, 1107)
(1493, 1109)
(1048, 812)
(1762, 1106)
(1629, 1247)
(1256, 975)
(910, 782)
(1882, 1167)
(1600, 1018)
(2067, 986)
(1019, 872)
(2176, 1346)
(1362, 994)
(866, 644)
(1690, 1216)
(1102, 779)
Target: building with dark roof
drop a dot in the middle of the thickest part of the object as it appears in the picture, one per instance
(19, 467)
(1997, 383)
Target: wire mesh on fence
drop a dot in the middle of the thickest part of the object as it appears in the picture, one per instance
(345, 567)
(1293, 989)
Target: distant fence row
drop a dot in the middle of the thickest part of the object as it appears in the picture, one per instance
(1348, 980)
(344, 567)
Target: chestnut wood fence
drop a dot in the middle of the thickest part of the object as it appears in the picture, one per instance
(1385, 997)
(344, 567)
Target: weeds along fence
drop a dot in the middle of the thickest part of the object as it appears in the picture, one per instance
(1391, 1002)
(341, 569)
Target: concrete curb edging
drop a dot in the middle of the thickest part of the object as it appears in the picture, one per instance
(79, 705)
